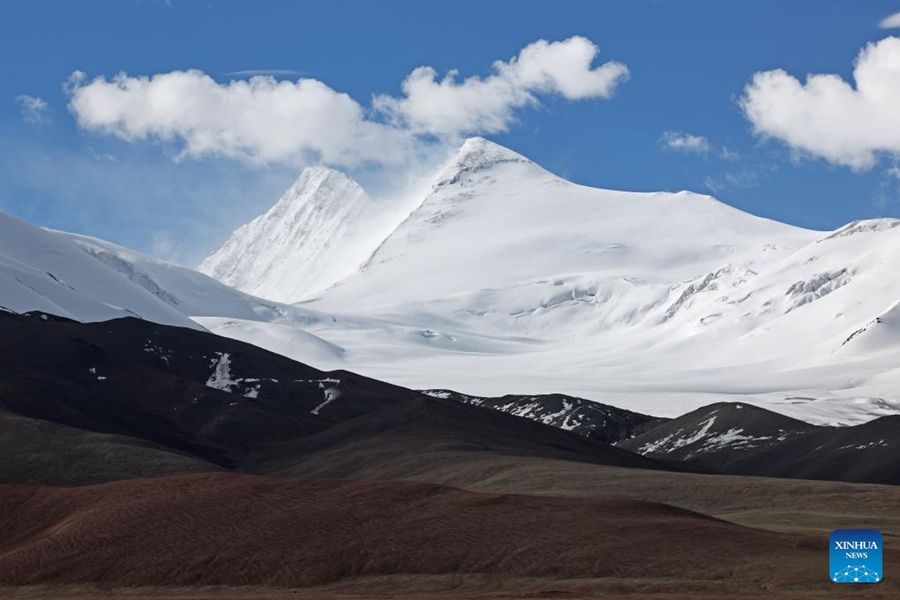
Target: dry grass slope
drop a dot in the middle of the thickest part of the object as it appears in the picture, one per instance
(237, 530)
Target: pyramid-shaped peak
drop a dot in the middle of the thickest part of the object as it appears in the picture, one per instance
(305, 242)
(317, 185)
(313, 178)
(478, 154)
(477, 150)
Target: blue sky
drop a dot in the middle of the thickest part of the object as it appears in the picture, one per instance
(688, 63)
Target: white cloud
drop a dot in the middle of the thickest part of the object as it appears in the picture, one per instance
(34, 109)
(162, 245)
(727, 153)
(447, 107)
(743, 179)
(685, 142)
(827, 116)
(262, 120)
(890, 22)
(101, 156)
(680, 141)
(888, 190)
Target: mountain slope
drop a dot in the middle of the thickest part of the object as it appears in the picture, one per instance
(88, 402)
(494, 219)
(87, 279)
(186, 400)
(44, 270)
(179, 532)
(320, 231)
(716, 435)
(863, 453)
(46, 453)
(189, 292)
(399, 441)
(584, 417)
(746, 440)
(190, 391)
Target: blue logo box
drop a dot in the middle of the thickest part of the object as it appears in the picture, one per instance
(855, 556)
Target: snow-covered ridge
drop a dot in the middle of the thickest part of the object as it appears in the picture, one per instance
(47, 271)
(86, 279)
(864, 226)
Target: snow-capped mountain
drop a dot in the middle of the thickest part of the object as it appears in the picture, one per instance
(506, 279)
(48, 271)
(87, 279)
(494, 220)
(320, 231)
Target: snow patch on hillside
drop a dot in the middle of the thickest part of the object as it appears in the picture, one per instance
(677, 440)
(221, 375)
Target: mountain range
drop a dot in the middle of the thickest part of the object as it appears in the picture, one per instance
(146, 453)
(162, 460)
(506, 279)
(171, 400)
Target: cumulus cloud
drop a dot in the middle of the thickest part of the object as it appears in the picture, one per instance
(263, 120)
(891, 22)
(450, 107)
(828, 117)
(34, 109)
(685, 142)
